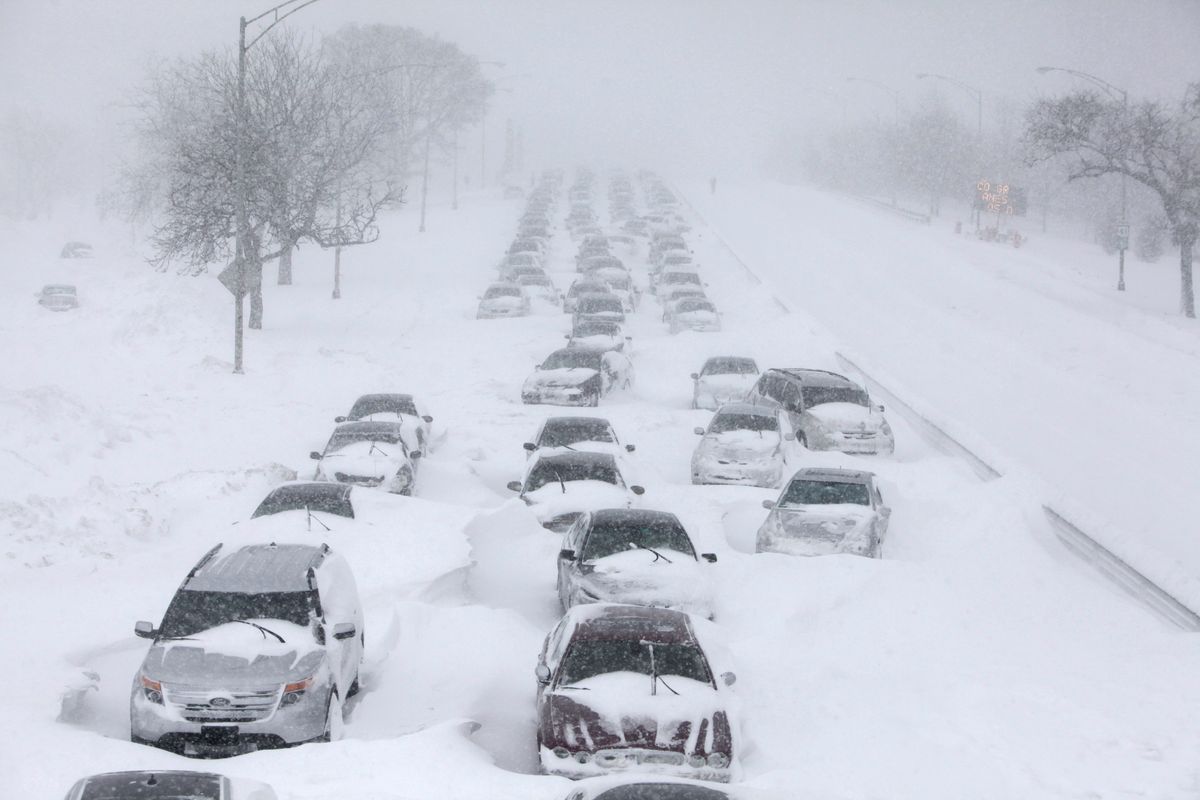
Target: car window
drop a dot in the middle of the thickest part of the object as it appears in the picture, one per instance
(331, 498)
(586, 658)
(734, 421)
(547, 472)
(606, 538)
(560, 434)
(819, 395)
(192, 611)
(813, 492)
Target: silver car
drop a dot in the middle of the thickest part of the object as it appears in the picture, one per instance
(825, 511)
(258, 649)
(503, 300)
(742, 445)
(826, 410)
(723, 379)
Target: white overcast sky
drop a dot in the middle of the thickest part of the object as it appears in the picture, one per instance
(676, 84)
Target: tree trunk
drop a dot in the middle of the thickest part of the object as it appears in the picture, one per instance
(1187, 294)
(256, 298)
(285, 264)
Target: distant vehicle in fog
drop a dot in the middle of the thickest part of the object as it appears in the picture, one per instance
(693, 314)
(605, 306)
(402, 408)
(76, 250)
(723, 379)
(743, 444)
(58, 297)
(583, 286)
(373, 454)
(598, 334)
(824, 511)
(826, 410)
(540, 287)
(503, 300)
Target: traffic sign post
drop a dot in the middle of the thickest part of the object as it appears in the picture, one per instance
(1122, 246)
(233, 278)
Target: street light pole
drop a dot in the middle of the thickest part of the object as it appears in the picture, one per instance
(1123, 225)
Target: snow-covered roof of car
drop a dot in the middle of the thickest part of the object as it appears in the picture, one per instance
(575, 422)
(257, 568)
(609, 621)
(645, 516)
(817, 377)
(833, 474)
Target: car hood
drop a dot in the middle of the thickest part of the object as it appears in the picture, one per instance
(823, 528)
(597, 342)
(741, 445)
(617, 710)
(727, 385)
(846, 415)
(551, 501)
(568, 376)
(639, 577)
(502, 302)
(360, 459)
(235, 655)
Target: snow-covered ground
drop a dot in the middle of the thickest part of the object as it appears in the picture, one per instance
(976, 660)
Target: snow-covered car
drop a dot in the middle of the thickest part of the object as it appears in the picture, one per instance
(566, 434)
(629, 689)
(528, 244)
(58, 297)
(577, 376)
(667, 278)
(635, 556)
(514, 274)
(693, 314)
(743, 445)
(513, 193)
(402, 408)
(513, 260)
(540, 287)
(599, 306)
(827, 411)
(636, 227)
(76, 250)
(823, 511)
(308, 496)
(723, 379)
(674, 259)
(619, 282)
(371, 454)
(583, 286)
(259, 648)
(661, 241)
(598, 262)
(598, 334)
(167, 784)
(558, 487)
(671, 295)
(503, 300)
(591, 245)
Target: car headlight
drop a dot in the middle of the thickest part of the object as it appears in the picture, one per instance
(294, 692)
(151, 690)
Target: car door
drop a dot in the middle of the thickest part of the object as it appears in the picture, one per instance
(568, 568)
(791, 400)
(885, 513)
(340, 604)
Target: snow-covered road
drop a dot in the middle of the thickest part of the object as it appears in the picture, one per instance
(976, 660)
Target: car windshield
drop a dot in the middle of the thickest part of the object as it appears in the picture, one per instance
(588, 286)
(501, 291)
(617, 536)
(819, 395)
(522, 260)
(535, 280)
(153, 786)
(577, 358)
(332, 498)
(192, 611)
(819, 493)
(588, 658)
(722, 423)
(596, 327)
(621, 282)
(560, 434)
(681, 277)
(58, 288)
(730, 366)
(366, 406)
(342, 439)
(553, 472)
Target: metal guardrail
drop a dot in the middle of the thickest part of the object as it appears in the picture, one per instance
(1076, 540)
(907, 213)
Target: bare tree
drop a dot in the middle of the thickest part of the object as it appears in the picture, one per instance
(1157, 146)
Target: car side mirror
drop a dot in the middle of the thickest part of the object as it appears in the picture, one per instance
(695, 376)
(344, 630)
(514, 486)
(315, 455)
(144, 630)
(879, 408)
(729, 678)
(709, 557)
(427, 418)
(629, 448)
(569, 555)
(530, 446)
(339, 419)
(768, 504)
(698, 431)
(415, 454)
(638, 490)
(543, 673)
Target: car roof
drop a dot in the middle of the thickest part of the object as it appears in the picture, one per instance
(389, 396)
(567, 422)
(171, 783)
(714, 359)
(816, 377)
(611, 621)
(579, 457)
(748, 408)
(504, 285)
(257, 568)
(369, 426)
(634, 515)
(833, 475)
(324, 495)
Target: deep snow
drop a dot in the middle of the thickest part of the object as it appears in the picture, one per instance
(977, 660)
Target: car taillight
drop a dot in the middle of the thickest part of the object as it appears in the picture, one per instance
(152, 690)
(292, 692)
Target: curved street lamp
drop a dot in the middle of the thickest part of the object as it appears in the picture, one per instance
(978, 94)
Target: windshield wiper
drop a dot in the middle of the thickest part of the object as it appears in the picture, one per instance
(654, 676)
(375, 448)
(261, 629)
(561, 482)
(657, 555)
(312, 517)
